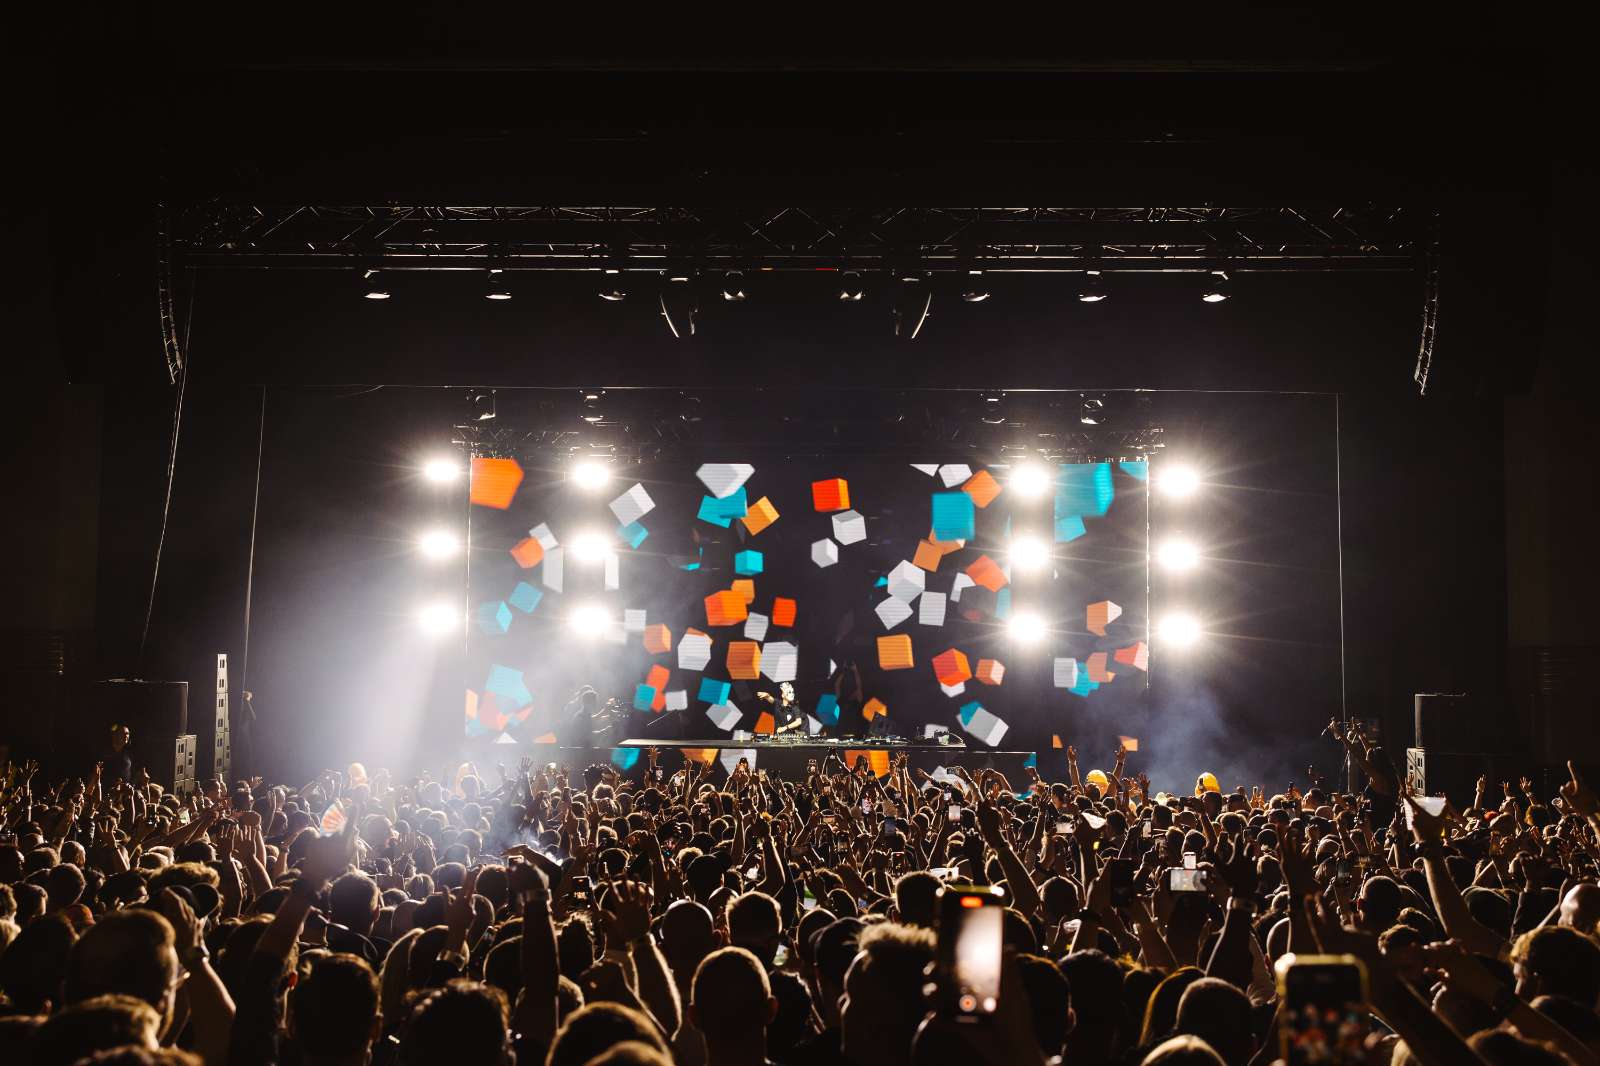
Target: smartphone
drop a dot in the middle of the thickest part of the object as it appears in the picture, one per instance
(1188, 860)
(781, 956)
(580, 888)
(954, 814)
(1325, 1016)
(752, 873)
(1348, 870)
(1187, 880)
(808, 902)
(866, 804)
(971, 940)
(829, 818)
(1144, 829)
(1063, 828)
(1122, 872)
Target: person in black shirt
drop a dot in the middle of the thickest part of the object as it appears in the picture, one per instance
(119, 760)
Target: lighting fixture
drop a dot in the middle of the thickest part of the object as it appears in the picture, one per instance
(1217, 288)
(1178, 630)
(733, 286)
(1026, 627)
(1028, 553)
(373, 286)
(1093, 290)
(438, 544)
(1178, 554)
(441, 470)
(851, 290)
(1178, 480)
(438, 619)
(589, 620)
(497, 285)
(1030, 479)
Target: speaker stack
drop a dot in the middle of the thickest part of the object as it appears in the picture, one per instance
(1452, 739)
(222, 745)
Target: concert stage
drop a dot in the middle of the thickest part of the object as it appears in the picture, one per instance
(788, 760)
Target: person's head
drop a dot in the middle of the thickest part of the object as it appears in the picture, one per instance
(1557, 961)
(879, 1013)
(1500, 1047)
(688, 934)
(1219, 1014)
(34, 966)
(1581, 1021)
(333, 1010)
(354, 902)
(1096, 983)
(134, 1055)
(833, 948)
(598, 1027)
(96, 1024)
(631, 1053)
(463, 1023)
(1379, 903)
(1580, 907)
(756, 924)
(1161, 1012)
(1060, 898)
(1049, 1002)
(731, 1002)
(916, 899)
(121, 735)
(1182, 1051)
(129, 952)
(503, 966)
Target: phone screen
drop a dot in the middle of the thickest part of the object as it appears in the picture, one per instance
(1188, 860)
(971, 940)
(1325, 1016)
(781, 956)
(1063, 828)
(1186, 880)
(955, 812)
(1122, 873)
(1431, 805)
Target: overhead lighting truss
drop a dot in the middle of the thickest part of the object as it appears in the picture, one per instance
(1008, 240)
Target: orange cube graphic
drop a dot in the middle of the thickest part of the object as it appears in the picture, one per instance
(759, 516)
(877, 760)
(951, 667)
(874, 707)
(894, 652)
(1100, 615)
(982, 487)
(765, 723)
(1097, 669)
(657, 639)
(725, 608)
(830, 495)
(494, 482)
(991, 671)
(528, 553)
(746, 588)
(744, 660)
(1137, 656)
(783, 610)
(928, 555)
(986, 572)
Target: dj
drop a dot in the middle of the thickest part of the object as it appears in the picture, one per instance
(786, 714)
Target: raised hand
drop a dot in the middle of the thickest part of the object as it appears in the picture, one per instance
(329, 856)
(626, 914)
(1297, 864)
(1578, 795)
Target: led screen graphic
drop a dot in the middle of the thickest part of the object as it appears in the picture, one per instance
(1006, 605)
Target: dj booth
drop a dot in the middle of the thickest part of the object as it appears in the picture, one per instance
(787, 757)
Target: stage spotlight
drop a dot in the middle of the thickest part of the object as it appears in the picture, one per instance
(483, 406)
(1178, 554)
(1217, 289)
(1029, 553)
(438, 619)
(441, 471)
(372, 284)
(851, 289)
(678, 303)
(913, 303)
(733, 286)
(614, 286)
(590, 547)
(589, 620)
(1178, 630)
(439, 544)
(1093, 290)
(497, 285)
(1178, 480)
(1092, 411)
(976, 289)
(1026, 627)
(1030, 479)
(592, 411)
(589, 474)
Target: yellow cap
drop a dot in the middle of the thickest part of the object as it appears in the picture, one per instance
(1099, 780)
(1206, 782)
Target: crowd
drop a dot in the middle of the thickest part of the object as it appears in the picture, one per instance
(675, 915)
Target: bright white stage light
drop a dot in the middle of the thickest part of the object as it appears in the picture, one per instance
(1026, 627)
(1030, 479)
(1178, 630)
(1178, 554)
(589, 620)
(590, 475)
(590, 547)
(438, 619)
(1029, 553)
(438, 544)
(441, 470)
(1178, 479)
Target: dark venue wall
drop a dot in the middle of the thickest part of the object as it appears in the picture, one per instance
(1430, 485)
